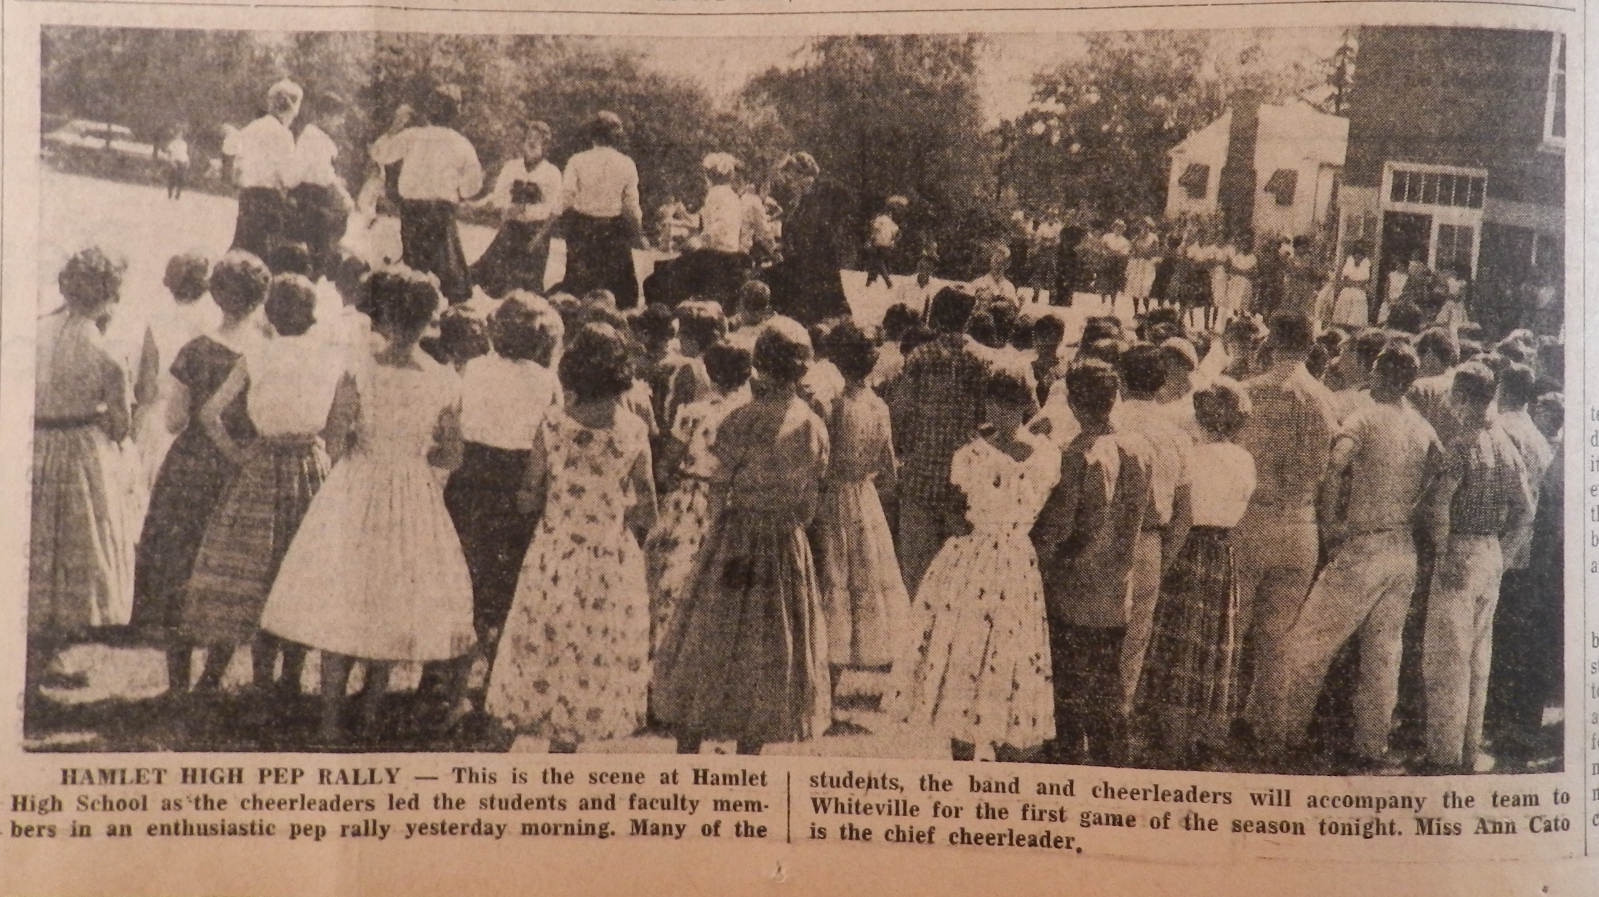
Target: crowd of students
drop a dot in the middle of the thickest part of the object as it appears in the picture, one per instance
(1124, 543)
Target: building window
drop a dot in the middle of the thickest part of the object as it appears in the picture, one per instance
(1195, 180)
(1454, 247)
(1282, 184)
(1554, 112)
(1434, 188)
(1360, 227)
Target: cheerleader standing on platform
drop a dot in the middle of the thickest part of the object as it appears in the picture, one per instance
(81, 548)
(982, 670)
(863, 596)
(573, 664)
(194, 473)
(673, 546)
(375, 572)
(297, 394)
(745, 654)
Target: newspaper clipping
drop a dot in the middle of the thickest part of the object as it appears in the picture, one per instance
(709, 447)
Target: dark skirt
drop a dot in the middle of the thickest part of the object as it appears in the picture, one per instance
(745, 655)
(481, 499)
(599, 256)
(263, 219)
(1112, 275)
(807, 292)
(515, 260)
(431, 242)
(187, 490)
(1191, 284)
(1068, 276)
(699, 274)
(318, 220)
(1188, 693)
(248, 536)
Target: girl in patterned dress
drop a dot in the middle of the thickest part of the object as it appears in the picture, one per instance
(375, 572)
(573, 663)
(80, 564)
(293, 383)
(863, 595)
(982, 670)
(194, 472)
(745, 654)
(673, 546)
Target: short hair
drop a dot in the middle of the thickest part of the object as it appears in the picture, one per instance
(1517, 385)
(442, 105)
(596, 365)
(728, 366)
(783, 352)
(91, 279)
(852, 351)
(950, 309)
(600, 297)
(291, 304)
(289, 257)
(1107, 350)
(654, 324)
(703, 323)
(917, 336)
(284, 96)
(1397, 366)
(239, 283)
(1367, 345)
(755, 296)
(607, 129)
(1291, 332)
(1406, 316)
(1049, 329)
(1222, 407)
(1514, 349)
(186, 275)
(1101, 327)
(462, 337)
(1004, 315)
(802, 164)
(525, 328)
(1008, 388)
(1091, 386)
(1142, 369)
(1474, 384)
(403, 299)
(1439, 343)
(538, 129)
(898, 319)
(1552, 404)
(980, 327)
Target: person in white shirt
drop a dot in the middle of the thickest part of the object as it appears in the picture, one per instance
(1113, 274)
(319, 201)
(527, 193)
(438, 169)
(757, 237)
(994, 286)
(263, 160)
(602, 220)
(882, 240)
(174, 154)
(1351, 306)
(716, 263)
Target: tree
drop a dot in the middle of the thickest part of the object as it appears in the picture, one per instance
(892, 114)
(1099, 129)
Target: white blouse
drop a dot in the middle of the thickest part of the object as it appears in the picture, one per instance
(292, 382)
(1222, 494)
(440, 164)
(503, 401)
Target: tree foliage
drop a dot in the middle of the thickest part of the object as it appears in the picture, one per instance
(1099, 129)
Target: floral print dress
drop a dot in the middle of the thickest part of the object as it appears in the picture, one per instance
(573, 664)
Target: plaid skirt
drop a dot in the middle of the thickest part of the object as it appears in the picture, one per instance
(248, 536)
(431, 242)
(1187, 692)
(80, 566)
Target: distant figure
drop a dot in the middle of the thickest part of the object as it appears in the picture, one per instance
(881, 241)
(806, 284)
(438, 169)
(174, 156)
(602, 221)
(263, 159)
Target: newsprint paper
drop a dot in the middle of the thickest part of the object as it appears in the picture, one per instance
(772, 446)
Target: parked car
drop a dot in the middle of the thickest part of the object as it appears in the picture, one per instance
(100, 148)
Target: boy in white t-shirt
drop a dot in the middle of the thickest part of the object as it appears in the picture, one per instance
(882, 240)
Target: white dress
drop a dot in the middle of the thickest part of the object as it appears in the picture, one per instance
(375, 570)
(1350, 308)
(574, 661)
(982, 671)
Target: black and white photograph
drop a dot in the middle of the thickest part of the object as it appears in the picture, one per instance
(1174, 400)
